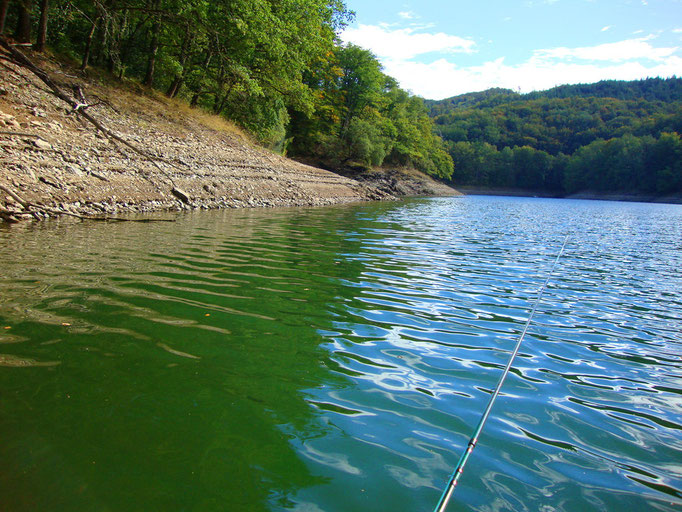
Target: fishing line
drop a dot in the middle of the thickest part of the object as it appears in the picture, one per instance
(459, 469)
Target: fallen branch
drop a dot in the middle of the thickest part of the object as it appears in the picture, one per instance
(18, 58)
(8, 216)
(18, 199)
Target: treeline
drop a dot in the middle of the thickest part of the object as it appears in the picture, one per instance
(650, 89)
(646, 165)
(605, 137)
(364, 117)
(275, 67)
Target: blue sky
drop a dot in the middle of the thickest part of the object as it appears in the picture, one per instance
(441, 48)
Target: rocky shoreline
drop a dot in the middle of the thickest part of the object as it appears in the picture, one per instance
(54, 162)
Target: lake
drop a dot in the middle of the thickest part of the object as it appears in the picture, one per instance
(338, 359)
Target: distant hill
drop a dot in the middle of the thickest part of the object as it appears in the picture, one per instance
(539, 141)
(650, 89)
(471, 99)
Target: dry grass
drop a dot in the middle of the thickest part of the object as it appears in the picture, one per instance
(211, 121)
(175, 110)
(130, 96)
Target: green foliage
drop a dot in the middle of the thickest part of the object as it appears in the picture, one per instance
(273, 66)
(241, 58)
(650, 89)
(607, 137)
(361, 117)
(641, 164)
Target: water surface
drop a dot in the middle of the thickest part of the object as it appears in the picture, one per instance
(338, 359)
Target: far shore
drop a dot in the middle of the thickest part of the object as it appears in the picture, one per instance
(589, 195)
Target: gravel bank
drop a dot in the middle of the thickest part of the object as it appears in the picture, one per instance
(50, 156)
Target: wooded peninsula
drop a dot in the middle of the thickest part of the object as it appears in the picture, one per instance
(278, 70)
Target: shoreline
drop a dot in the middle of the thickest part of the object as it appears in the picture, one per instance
(585, 195)
(173, 157)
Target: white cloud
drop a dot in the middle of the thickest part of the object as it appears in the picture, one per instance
(621, 51)
(407, 15)
(405, 43)
(404, 54)
(607, 27)
(442, 79)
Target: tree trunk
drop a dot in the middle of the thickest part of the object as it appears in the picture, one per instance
(153, 50)
(4, 4)
(42, 26)
(176, 84)
(174, 88)
(88, 45)
(220, 103)
(130, 42)
(198, 86)
(116, 23)
(23, 34)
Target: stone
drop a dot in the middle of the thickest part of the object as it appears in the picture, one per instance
(41, 144)
(180, 194)
(74, 169)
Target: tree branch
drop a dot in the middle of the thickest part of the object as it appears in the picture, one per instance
(17, 57)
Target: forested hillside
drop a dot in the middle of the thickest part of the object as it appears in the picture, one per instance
(606, 137)
(278, 69)
(275, 67)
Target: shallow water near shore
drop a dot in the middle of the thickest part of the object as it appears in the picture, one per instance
(338, 359)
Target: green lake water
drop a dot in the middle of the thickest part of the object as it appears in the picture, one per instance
(338, 359)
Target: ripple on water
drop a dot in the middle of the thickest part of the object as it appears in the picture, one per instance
(586, 386)
(338, 358)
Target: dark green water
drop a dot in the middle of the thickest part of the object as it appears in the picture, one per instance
(338, 359)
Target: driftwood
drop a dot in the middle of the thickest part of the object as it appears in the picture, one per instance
(16, 57)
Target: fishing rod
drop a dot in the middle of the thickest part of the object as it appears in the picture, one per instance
(459, 469)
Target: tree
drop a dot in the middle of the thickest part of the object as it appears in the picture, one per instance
(42, 26)
(361, 82)
(598, 137)
(664, 158)
(4, 6)
(273, 66)
(24, 21)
